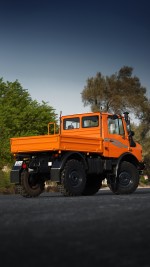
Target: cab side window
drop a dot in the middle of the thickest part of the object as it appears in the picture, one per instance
(71, 123)
(90, 121)
(115, 126)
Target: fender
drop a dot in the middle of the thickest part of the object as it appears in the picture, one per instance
(60, 163)
(126, 157)
(73, 155)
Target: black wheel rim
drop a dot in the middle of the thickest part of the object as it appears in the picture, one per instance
(75, 178)
(125, 178)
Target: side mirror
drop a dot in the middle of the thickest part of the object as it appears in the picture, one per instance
(131, 133)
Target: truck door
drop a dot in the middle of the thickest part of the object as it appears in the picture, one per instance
(118, 142)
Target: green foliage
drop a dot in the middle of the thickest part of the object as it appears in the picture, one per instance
(143, 181)
(20, 116)
(117, 93)
(4, 179)
(5, 186)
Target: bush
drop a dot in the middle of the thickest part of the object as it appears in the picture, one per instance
(5, 185)
(144, 181)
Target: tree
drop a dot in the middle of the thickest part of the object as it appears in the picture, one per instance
(20, 116)
(117, 93)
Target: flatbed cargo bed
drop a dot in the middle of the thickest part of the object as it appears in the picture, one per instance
(56, 142)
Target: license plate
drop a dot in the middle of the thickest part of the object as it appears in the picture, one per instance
(18, 163)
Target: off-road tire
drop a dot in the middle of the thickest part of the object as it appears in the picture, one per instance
(30, 188)
(18, 189)
(127, 180)
(93, 184)
(73, 178)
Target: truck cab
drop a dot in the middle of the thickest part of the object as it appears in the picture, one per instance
(112, 130)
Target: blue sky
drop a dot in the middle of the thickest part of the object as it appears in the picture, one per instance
(52, 47)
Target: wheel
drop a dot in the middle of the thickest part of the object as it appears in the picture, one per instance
(93, 185)
(31, 184)
(18, 189)
(128, 179)
(73, 178)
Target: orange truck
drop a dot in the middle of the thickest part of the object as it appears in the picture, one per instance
(88, 149)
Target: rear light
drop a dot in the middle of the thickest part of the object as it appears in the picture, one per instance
(24, 165)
